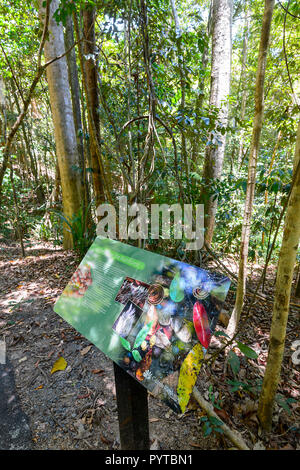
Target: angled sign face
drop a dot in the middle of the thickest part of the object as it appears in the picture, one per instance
(152, 315)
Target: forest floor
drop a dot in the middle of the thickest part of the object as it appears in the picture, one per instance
(76, 408)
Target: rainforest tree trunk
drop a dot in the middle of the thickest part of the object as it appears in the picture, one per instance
(38, 187)
(75, 97)
(285, 269)
(200, 94)
(254, 148)
(63, 120)
(297, 290)
(219, 91)
(242, 98)
(180, 60)
(90, 64)
(3, 127)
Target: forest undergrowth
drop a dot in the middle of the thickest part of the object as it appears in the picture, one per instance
(76, 408)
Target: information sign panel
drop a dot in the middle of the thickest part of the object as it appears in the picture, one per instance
(152, 315)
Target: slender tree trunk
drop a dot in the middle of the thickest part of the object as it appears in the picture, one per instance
(17, 211)
(38, 187)
(285, 269)
(3, 129)
(99, 181)
(297, 290)
(90, 64)
(257, 126)
(243, 93)
(219, 91)
(64, 130)
(180, 59)
(57, 184)
(27, 100)
(269, 173)
(2, 112)
(75, 97)
(200, 96)
(127, 62)
(27, 172)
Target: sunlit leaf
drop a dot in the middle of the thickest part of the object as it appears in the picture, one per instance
(247, 351)
(188, 375)
(60, 364)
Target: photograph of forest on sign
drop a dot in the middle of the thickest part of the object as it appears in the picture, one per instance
(154, 316)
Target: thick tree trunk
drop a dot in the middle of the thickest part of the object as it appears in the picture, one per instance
(64, 130)
(257, 126)
(285, 269)
(219, 91)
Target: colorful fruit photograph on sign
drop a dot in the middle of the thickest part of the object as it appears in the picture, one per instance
(152, 315)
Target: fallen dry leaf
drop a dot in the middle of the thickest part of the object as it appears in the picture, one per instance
(100, 402)
(84, 351)
(193, 444)
(84, 396)
(222, 414)
(60, 364)
(104, 440)
(98, 371)
(22, 359)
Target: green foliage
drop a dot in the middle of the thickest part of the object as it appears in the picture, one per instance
(248, 352)
(83, 235)
(220, 333)
(233, 358)
(239, 386)
(234, 362)
(49, 228)
(284, 402)
(215, 401)
(210, 425)
(124, 95)
(27, 217)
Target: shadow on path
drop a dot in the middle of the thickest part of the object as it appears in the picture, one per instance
(14, 429)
